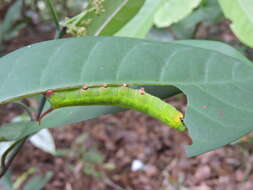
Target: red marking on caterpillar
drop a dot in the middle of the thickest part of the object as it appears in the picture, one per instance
(44, 114)
(85, 87)
(105, 85)
(142, 91)
(49, 92)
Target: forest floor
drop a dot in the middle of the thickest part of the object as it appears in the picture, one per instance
(115, 144)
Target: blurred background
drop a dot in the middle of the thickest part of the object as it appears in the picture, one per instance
(124, 151)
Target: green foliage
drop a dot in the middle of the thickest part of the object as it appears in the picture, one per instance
(6, 181)
(103, 17)
(93, 156)
(173, 11)
(38, 182)
(23, 177)
(38, 9)
(208, 13)
(8, 29)
(90, 169)
(18, 130)
(93, 161)
(140, 25)
(218, 112)
(240, 12)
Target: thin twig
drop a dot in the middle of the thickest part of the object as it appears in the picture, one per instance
(41, 106)
(60, 34)
(54, 14)
(27, 109)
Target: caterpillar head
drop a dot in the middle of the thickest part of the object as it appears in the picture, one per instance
(180, 122)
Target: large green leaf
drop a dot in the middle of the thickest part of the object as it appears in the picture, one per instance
(173, 11)
(217, 83)
(240, 12)
(140, 25)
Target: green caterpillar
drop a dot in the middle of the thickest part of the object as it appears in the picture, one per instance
(119, 96)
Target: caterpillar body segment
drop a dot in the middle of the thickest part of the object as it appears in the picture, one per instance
(123, 97)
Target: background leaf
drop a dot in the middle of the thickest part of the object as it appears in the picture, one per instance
(121, 16)
(38, 182)
(22, 178)
(110, 17)
(240, 12)
(3, 147)
(6, 181)
(18, 130)
(174, 10)
(217, 84)
(12, 16)
(44, 141)
(140, 25)
(209, 13)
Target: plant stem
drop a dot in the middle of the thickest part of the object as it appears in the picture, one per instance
(41, 106)
(26, 108)
(54, 14)
(59, 34)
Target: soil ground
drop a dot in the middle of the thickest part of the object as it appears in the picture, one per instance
(117, 141)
